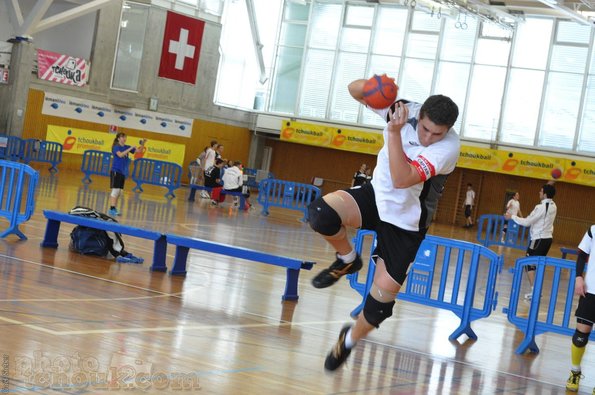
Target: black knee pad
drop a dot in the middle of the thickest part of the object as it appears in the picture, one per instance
(323, 218)
(375, 312)
(580, 339)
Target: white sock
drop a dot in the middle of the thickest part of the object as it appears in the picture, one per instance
(348, 258)
(574, 368)
(349, 343)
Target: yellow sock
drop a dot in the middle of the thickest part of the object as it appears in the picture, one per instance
(577, 355)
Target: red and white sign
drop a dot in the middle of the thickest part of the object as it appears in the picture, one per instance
(181, 48)
(61, 68)
(3, 75)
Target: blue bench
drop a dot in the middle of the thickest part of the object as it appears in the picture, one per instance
(55, 218)
(194, 188)
(184, 244)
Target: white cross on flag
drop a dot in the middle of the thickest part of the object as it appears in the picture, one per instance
(181, 48)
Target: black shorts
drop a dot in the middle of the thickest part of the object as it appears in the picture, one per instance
(467, 210)
(585, 312)
(397, 247)
(116, 180)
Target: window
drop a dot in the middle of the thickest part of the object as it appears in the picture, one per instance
(129, 51)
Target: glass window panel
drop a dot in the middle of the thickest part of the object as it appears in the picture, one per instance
(326, 21)
(296, 12)
(422, 45)
(495, 31)
(569, 59)
(586, 141)
(572, 32)
(129, 52)
(451, 81)
(592, 67)
(318, 72)
(388, 65)
(355, 39)
(359, 15)
(416, 81)
(560, 110)
(520, 115)
(350, 66)
(287, 75)
(424, 22)
(492, 52)
(483, 107)
(532, 43)
(389, 31)
(293, 34)
(457, 44)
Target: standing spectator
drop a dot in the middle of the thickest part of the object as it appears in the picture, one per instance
(208, 161)
(584, 287)
(213, 181)
(219, 151)
(420, 150)
(233, 181)
(201, 158)
(468, 205)
(541, 221)
(513, 207)
(359, 178)
(119, 170)
(368, 175)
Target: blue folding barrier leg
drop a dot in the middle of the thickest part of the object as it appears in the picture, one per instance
(528, 342)
(13, 230)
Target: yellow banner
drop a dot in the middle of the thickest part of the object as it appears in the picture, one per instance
(527, 165)
(331, 137)
(77, 141)
(485, 159)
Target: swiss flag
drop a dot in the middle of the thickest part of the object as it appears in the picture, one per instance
(181, 47)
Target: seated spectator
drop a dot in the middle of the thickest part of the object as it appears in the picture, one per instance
(213, 180)
(359, 178)
(233, 181)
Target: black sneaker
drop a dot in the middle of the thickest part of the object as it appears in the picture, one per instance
(339, 353)
(334, 272)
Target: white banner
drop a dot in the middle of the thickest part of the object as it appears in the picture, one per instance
(108, 114)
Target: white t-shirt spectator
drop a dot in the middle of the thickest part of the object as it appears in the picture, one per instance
(232, 178)
(513, 207)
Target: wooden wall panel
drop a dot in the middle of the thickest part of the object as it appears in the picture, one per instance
(297, 162)
(300, 163)
(235, 139)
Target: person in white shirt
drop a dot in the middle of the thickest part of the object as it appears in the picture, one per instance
(207, 162)
(541, 221)
(468, 205)
(233, 181)
(420, 150)
(584, 287)
(513, 207)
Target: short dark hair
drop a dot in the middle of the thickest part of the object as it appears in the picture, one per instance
(549, 191)
(440, 109)
(213, 143)
(218, 161)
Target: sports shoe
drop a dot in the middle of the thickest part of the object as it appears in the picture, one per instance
(334, 272)
(214, 203)
(528, 296)
(204, 195)
(573, 381)
(339, 353)
(113, 212)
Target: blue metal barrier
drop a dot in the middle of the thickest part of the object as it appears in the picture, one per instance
(286, 194)
(11, 148)
(156, 172)
(490, 231)
(453, 289)
(96, 162)
(255, 176)
(17, 186)
(43, 151)
(559, 300)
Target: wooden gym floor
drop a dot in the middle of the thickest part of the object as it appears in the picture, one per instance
(75, 324)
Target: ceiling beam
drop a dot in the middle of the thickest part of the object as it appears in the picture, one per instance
(16, 14)
(68, 15)
(38, 11)
(568, 12)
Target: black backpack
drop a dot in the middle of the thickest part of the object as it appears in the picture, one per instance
(91, 241)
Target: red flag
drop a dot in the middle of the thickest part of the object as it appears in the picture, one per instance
(181, 48)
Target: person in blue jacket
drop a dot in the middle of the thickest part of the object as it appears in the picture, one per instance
(119, 170)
